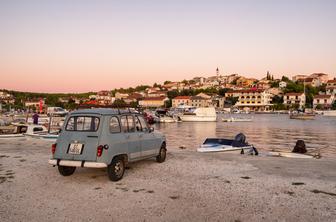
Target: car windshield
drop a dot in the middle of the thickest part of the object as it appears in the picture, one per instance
(82, 123)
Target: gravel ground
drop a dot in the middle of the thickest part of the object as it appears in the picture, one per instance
(189, 186)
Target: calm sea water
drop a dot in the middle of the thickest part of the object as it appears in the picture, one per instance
(266, 132)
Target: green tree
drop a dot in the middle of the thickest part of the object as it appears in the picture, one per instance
(119, 103)
(277, 99)
(232, 100)
(222, 91)
(285, 79)
(172, 94)
(334, 105)
(134, 104)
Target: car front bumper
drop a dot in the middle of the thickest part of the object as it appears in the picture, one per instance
(76, 163)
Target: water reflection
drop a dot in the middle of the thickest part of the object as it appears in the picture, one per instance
(266, 132)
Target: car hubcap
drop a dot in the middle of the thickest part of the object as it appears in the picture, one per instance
(118, 168)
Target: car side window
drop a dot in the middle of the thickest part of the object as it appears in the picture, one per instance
(130, 121)
(114, 125)
(143, 123)
(137, 124)
(124, 126)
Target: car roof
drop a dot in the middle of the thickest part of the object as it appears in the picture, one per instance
(104, 111)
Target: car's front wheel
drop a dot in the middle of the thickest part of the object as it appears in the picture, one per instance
(116, 169)
(162, 155)
(66, 170)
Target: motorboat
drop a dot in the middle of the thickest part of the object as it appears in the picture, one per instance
(40, 132)
(202, 114)
(165, 117)
(302, 116)
(224, 145)
(329, 113)
(236, 119)
(13, 131)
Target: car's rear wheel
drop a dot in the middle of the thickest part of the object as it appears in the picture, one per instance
(162, 155)
(66, 170)
(116, 169)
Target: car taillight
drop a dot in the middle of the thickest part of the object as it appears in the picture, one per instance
(100, 150)
(53, 148)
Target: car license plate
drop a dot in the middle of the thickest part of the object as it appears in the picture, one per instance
(75, 148)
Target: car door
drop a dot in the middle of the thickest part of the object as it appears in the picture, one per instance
(147, 139)
(131, 136)
(79, 140)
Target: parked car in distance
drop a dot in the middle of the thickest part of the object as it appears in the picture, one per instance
(99, 138)
(56, 111)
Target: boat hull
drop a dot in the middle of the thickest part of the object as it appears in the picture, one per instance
(290, 155)
(193, 118)
(8, 136)
(329, 113)
(222, 148)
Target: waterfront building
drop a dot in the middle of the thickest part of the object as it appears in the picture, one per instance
(294, 98)
(331, 87)
(105, 98)
(324, 101)
(199, 101)
(181, 100)
(253, 100)
(153, 102)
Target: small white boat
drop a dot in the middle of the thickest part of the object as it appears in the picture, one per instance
(232, 119)
(202, 114)
(13, 131)
(329, 113)
(39, 132)
(289, 155)
(302, 116)
(165, 117)
(224, 145)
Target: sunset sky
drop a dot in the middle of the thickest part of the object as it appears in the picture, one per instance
(78, 46)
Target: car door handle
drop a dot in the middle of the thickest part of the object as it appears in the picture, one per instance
(91, 136)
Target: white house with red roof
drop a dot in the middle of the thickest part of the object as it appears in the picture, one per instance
(294, 98)
(181, 100)
(325, 101)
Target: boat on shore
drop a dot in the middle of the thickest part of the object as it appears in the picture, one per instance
(40, 132)
(202, 114)
(225, 145)
(13, 131)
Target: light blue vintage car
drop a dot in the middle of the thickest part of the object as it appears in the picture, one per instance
(99, 138)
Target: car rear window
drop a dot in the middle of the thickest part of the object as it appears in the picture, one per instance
(83, 123)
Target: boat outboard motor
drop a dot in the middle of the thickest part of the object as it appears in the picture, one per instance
(240, 138)
(300, 147)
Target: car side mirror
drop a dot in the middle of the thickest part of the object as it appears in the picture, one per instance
(151, 129)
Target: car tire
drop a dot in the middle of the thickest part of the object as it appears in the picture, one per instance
(116, 169)
(66, 170)
(162, 154)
